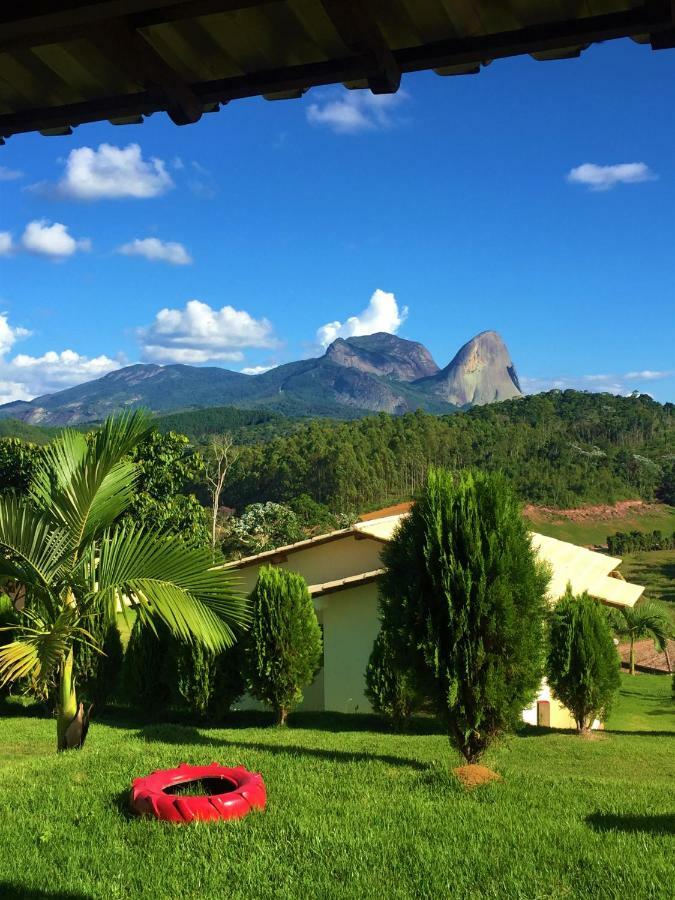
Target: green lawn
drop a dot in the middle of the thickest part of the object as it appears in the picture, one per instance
(352, 812)
(653, 568)
(595, 531)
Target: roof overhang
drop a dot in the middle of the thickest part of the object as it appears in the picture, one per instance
(67, 62)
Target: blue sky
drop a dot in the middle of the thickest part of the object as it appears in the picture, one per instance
(254, 236)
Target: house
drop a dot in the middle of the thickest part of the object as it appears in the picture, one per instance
(342, 568)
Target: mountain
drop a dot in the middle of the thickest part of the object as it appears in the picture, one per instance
(481, 372)
(373, 373)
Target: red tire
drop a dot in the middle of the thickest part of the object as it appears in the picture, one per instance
(243, 791)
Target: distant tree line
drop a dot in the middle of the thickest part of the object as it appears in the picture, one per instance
(631, 542)
(559, 449)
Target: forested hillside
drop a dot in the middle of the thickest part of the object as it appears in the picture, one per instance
(559, 448)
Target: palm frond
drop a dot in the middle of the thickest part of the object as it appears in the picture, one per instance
(37, 548)
(85, 485)
(163, 577)
(39, 649)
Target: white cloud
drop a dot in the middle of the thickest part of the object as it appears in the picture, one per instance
(51, 240)
(611, 383)
(603, 178)
(24, 377)
(381, 314)
(154, 249)
(255, 370)
(10, 334)
(110, 173)
(200, 334)
(6, 243)
(349, 112)
(7, 174)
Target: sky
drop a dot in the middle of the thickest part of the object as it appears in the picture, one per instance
(536, 199)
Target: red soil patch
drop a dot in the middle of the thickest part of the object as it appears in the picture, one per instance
(474, 775)
(648, 657)
(602, 512)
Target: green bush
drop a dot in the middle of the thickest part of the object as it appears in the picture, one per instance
(97, 674)
(390, 685)
(463, 597)
(583, 664)
(148, 674)
(284, 648)
(208, 684)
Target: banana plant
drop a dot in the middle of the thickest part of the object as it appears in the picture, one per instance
(66, 560)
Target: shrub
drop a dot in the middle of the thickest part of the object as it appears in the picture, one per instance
(285, 648)
(390, 686)
(208, 683)
(464, 598)
(583, 665)
(147, 674)
(98, 674)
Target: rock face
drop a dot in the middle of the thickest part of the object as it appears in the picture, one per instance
(383, 354)
(481, 372)
(374, 373)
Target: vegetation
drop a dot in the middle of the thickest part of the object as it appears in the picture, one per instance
(261, 527)
(284, 645)
(655, 570)
(209, 683)
(561, 449)
(390, 686)
(590, 526)
(620, 543)
(583, 665)
(644, 620)
(98, 673)
(464, 598)
(66, 561)
(568, 821)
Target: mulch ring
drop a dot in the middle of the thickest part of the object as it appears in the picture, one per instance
(474, 775)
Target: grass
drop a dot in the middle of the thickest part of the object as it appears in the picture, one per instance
(645, 703)
(655, 569)
(595, 531)
(353, 812)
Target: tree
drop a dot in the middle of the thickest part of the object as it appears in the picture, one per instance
(18, 461)
(209, 683)
(464, 598)
(166, 469)
(644, 620)
(97, 673)
(64, 545)
(390, 685)
(285, 644)
(220, 456)
(583, 665)
(262, 526)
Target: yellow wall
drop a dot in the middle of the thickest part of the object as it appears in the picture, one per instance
(351, 625)
(320, 563)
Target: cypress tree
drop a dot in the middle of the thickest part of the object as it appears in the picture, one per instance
(583, 665)
(284, 652)
(464, 598)
(389, 685)
(207, 683)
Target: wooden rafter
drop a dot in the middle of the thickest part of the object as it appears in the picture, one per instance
(359, 31)
(128, 48)
(370, 58)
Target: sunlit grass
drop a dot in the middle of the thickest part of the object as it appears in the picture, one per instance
(353, 812)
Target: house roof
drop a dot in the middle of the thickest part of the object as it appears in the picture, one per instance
(340, 584)
(585, 570)
(66, 62)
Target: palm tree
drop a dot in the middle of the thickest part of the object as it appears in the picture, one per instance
(67, 562)
(644, 620)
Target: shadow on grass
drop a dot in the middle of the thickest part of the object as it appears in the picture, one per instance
(664, 824)
(9, 891)
(177, 734)
(330, 722)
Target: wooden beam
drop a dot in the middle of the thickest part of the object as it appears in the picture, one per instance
(31, 24)
(653, 18)
(131, 51)
(361, 34)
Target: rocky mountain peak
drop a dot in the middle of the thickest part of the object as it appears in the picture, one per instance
(383, 354)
